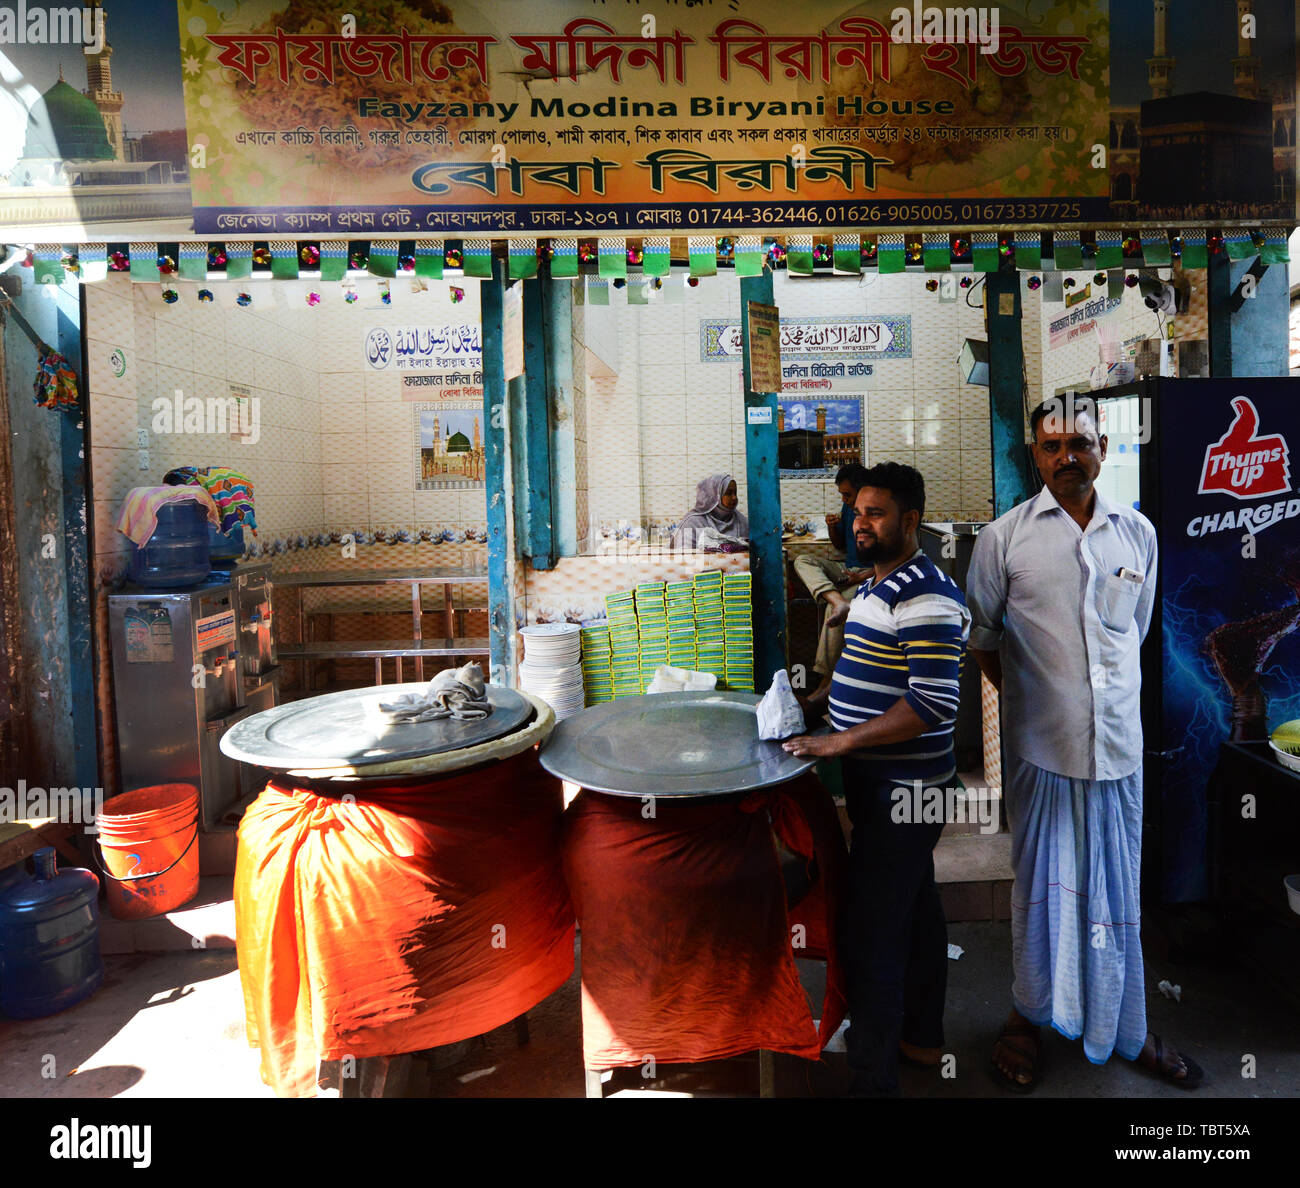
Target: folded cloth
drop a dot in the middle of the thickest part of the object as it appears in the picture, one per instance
(139, 514)
(231, 490)
(459, 693)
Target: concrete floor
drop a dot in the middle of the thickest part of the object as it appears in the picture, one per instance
(171, 1025)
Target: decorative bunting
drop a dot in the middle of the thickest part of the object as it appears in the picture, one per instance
(889, 248)
(1274, 250)
(284, 259)
(239, 259)
(611, 256)
(144, 262)
(334, 259)
(477, 257)
(936, 252)
(597, 290)
(847, 255)
(1067, 252)
(1239, 244)
(749, 255)
(656, 255)
(383, 258)
(93, 258)
(702, 250)
(47, 264)
(1195, 252)
(192, 264)
(564, 261)
(1110, 249)
(1155, 249)
(799, 255)
(521, 259)
(984, 251)
(1029, 249)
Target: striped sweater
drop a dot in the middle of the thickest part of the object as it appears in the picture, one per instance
(904, 637)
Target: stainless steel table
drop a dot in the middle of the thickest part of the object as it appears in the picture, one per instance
(445, 576)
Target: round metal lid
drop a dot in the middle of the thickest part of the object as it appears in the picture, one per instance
(670, 744)
(341, 730)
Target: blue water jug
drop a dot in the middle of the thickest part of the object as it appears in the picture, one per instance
(225, 548)
(49, 940)
(176, 554)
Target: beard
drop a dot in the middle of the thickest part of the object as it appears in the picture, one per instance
(882, 551)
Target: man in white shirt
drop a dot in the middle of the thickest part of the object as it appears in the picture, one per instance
(1061, 590)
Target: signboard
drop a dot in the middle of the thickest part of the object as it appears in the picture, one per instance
(764, 348)
(257, 118)
(888, 337)
(556, 117)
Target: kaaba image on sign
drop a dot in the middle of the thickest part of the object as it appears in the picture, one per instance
(801, 449)
(1206, 148)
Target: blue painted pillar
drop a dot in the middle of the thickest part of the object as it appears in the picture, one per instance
(76, 559)
(500, 603)
(1248, 334)
(536, 541)
(766, 558)
(558, 315)
(1011, 475)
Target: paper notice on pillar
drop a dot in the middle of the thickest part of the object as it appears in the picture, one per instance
(764, 348)
(512, 330)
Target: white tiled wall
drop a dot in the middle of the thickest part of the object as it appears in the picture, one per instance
(667, 419)
(336, 446)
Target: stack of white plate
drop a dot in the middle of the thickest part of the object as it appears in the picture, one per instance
(551, 667)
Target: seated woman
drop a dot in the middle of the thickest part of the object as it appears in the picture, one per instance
(715, 508)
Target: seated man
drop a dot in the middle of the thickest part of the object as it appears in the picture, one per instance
(834, 581)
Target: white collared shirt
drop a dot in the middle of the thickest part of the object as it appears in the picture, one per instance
(1048, 595)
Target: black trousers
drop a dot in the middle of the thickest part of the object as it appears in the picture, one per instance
(892, 934)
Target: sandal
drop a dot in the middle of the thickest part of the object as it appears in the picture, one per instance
(1030, 1060)
(1193, 1076)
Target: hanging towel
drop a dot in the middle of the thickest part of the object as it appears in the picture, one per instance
(139, 515)
(56, 383)
(231, 490)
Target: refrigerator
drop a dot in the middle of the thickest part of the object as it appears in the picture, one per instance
(1209, 462)
(187, 665)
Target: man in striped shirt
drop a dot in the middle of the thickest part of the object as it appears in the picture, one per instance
(893, 702)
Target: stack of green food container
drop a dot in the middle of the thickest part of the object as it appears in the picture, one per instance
(652, 626)
(710, 634)
(679, 599)
(624, 654)
(738, 623)
(597, 673)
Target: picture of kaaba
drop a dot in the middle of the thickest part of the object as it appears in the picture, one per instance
(816, 437)
(1202, 109)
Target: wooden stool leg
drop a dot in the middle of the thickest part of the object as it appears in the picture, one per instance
(595, 1084)
(521, 1029)
(766, 1074)
(398, 664)
(379, 671)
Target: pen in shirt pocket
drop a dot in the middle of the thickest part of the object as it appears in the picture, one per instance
(1129, 575)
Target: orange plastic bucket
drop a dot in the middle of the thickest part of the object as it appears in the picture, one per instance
(149, 842)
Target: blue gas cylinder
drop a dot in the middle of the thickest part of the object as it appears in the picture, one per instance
(176, 554)
(49, 940)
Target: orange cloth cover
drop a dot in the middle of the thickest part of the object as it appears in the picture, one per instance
(423, 914)
(687, 945)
